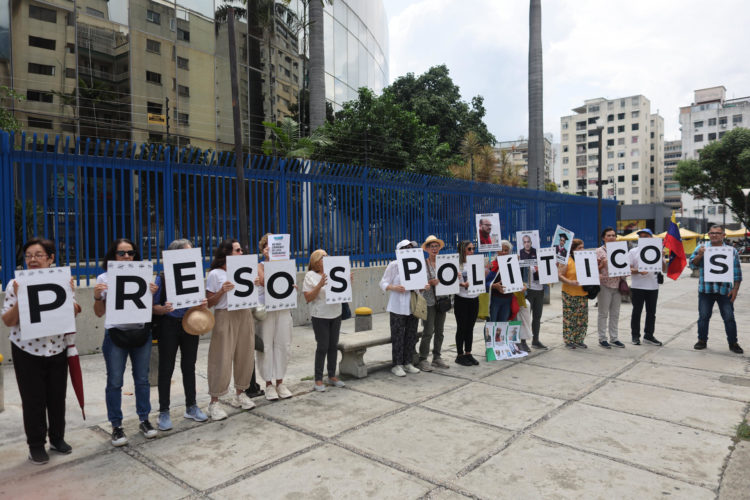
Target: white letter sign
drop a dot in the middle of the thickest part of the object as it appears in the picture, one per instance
(475, 274)
(718, 264)
(339, 285)
(587, 270)
(546, 258)
(280, 277)
(129, 299)
(617, 259)
(447, 274)
(242, 271)
(510, 273)
(45, 302)
(411, 268)
(649, 254)
(183, 275)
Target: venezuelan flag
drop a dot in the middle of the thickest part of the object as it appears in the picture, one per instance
(677, 259)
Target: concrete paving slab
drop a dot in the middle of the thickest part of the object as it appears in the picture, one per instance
(512, 409)
(581, 360)
(691, 380)
(327, 472)
(545, 381)
(704, 412)
(445, 444)
(717, 361)
(444, 494)
(407, 389)
(717, 339)
(216, 452)
(328, 413)
(530, 468)
(109, 475)
(688, 454)
(735, 484)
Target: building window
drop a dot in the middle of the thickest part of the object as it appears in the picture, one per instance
(620, 141)
(610, 118)
(621, 154)
(565, 125)
(620, 116)
(634, 139)
(634, 190)
(610, 142)
(634, 126)
(610, 154)
(634, 164)
(620, 178)
(698, 138)
(712, 136)
(183, 35)
(621, 166)
(581, 148)
(38, 96)
(620, 191)
(182, 63)
(711, 122)
(635, 153)
(48, 15)
(94, 12)
(634, 114)
(721, 134)
(566, 171)
(183, 91)
(153, 46)
(39, 123)
(610, 167)
(565, 160)
(580, 137)
(71, 47)
(610, 130)
(635, 101)
(70, 73)
(152, 77)
(153, 17)
(183, 119)
(698, 124)
(42, 43)
(593, 145)
(620, 128)
(593, 119)
(722, 120)
(41, 69)
(581, 125)
(593, 108)
(736, 119)
(566, 183)
(565, 148)
(634, 179)
(581, 160)
(153, 108)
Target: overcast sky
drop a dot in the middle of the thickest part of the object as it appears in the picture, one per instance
(663, 49)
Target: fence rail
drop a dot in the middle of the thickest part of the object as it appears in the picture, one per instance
(85, 194)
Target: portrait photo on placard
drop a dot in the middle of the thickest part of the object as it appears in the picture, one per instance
(561, 242)
(488, 232)
(527, 243)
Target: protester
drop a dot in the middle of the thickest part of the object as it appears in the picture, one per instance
(435, 321)
(232, 340)
(40, 364)
(485, 226)
(609, 295)
(723, 294)
(116, 357)
(172, 336)
(560, 249)
(326, 321)
(500, 302)
(403, 322)
(527, 252)
(535, 301)
(276, 333)
(644, 289)
(575, 302)
(465, 309)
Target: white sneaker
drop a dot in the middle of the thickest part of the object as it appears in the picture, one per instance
(398, 371)
(216, 412)
(410, 368)
(283, 392)
(271, 393)
(242, 401)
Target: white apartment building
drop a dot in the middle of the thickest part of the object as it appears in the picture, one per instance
(517, 153)
(672, 155)
(632, 150)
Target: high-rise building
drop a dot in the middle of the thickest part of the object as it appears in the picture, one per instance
(632, 150)
(672, 154)
(517, 155)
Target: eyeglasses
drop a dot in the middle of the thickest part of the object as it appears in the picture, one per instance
(715, 234)
(37, 256)
(469, 249)
(123, 253)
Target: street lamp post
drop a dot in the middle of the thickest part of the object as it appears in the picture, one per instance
(745, 192)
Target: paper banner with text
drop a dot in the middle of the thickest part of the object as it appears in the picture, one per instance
(45, 302)
(339, 285)
(718, 264)
(547, 265)
(618, 263)
(488, 232)
(280, 277)
(183, 275)
(501, 340)
(242, 271)
(587, 270)
(411, 268)
(561, 242)
(278, 247)
(510, 273)
(475, 274)
(528, 244)
(129, 299)
(649, 254)
(448, 276)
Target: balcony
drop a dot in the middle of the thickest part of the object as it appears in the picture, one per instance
(104, 75)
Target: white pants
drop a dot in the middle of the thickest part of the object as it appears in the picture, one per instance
(276, 332)
(609, 308)
(524, 315)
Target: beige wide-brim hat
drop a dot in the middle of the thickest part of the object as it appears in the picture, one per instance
(198, 321)
(432, 239)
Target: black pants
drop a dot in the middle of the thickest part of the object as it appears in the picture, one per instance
(535, 298)
(403, 338)
(465, 310)
(327, 338)
(639, 298)
(172, 337)
(42, 382)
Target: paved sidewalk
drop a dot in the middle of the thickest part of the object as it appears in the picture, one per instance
(640, 422)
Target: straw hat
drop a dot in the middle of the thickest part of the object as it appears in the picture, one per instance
(198, 320)
(432, 239)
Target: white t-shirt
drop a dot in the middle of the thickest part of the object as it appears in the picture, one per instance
(464, 292)
(216, 278)
(398, 302)
(646, 281)
(102, 278)
(318, 307)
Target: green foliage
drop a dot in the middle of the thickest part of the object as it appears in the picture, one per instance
(8, 122)
(27, 222)
(286, 141)
(721, 172)
(743, 431)
(550, 186)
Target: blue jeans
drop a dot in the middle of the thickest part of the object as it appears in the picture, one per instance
(115, 359)
(726, 309)
(500, 307)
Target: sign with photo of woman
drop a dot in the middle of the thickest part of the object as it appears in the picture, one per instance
(561, 243)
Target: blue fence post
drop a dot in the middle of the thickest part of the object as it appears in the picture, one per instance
(168, 198)
(425, 207)
(282, 197)
(7, 209)
(366, 216)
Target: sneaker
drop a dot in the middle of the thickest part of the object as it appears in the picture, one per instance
(164, 423)
(538, 345)
(195, 413)
(581, 345)
(617, 343)
(336, 383)
(271, 393)
(636, 341)
(216, 412)
(701, 344)
(242, 401)
(147, 429)
(605, 344)
(463, 360)
(283, 391)
(254, 391)
(472, 359)
(60, 446)
(319, 388)
(410, 368)
(439, 363)
(118, 437)
(38, 455)
(524, 346)
(570, 345)
(424, 365)
(398, 371)
(650, 339)
(736, 348)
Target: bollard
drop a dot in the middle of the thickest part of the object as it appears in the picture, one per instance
(2, 386)
(153, 364)
(362, 319)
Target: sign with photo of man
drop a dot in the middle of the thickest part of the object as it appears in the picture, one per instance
(561, 242)
(488, 232)
(528, 242)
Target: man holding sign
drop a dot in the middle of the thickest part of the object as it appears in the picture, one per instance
(645, 262)
(720, 277)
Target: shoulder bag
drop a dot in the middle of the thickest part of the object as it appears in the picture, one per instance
(418, 305)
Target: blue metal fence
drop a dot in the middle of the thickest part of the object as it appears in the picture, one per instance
(83, 195)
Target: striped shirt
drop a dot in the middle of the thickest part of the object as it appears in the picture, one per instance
(721, 288)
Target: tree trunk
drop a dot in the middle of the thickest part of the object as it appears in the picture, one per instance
(536, 108)
(317, 67)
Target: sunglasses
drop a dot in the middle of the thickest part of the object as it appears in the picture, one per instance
(469, 249)
(123, 253)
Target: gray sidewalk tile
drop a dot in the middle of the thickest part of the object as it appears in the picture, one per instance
(718, 359)
(581, 360)
(413, 387)
(542, 380)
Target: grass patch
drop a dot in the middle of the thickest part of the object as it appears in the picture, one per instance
(743, 430)
(304, 379)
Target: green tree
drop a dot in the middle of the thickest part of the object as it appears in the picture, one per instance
(721, 172)
(8, 122)
(286, 141)
(481, 167)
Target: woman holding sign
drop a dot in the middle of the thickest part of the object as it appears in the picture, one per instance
(41, 365)
(575, 302)
(609, 295)
(437, 308)
(233, 338)
(465, 309)
(326, 321)
(120, 342)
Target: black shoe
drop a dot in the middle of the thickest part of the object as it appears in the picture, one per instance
(118, 437)
(736, 348)
(701, 344)
(524, 346)
(617, 343)
(605, 344)
(463, 360)
(538, 345)
(472, 360)
(38, 455)
(571, 345)
(60, 446)
(254, 392)
(147, 429)
(581, 345)
(636, 341)
(650, 339)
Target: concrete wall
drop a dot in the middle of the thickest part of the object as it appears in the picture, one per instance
(91, 329)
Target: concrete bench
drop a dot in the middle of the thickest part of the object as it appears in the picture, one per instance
(353, 347)
(745, 258)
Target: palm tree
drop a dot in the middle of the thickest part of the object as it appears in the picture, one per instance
(286, 141)
(536, 120)
(317, 66)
